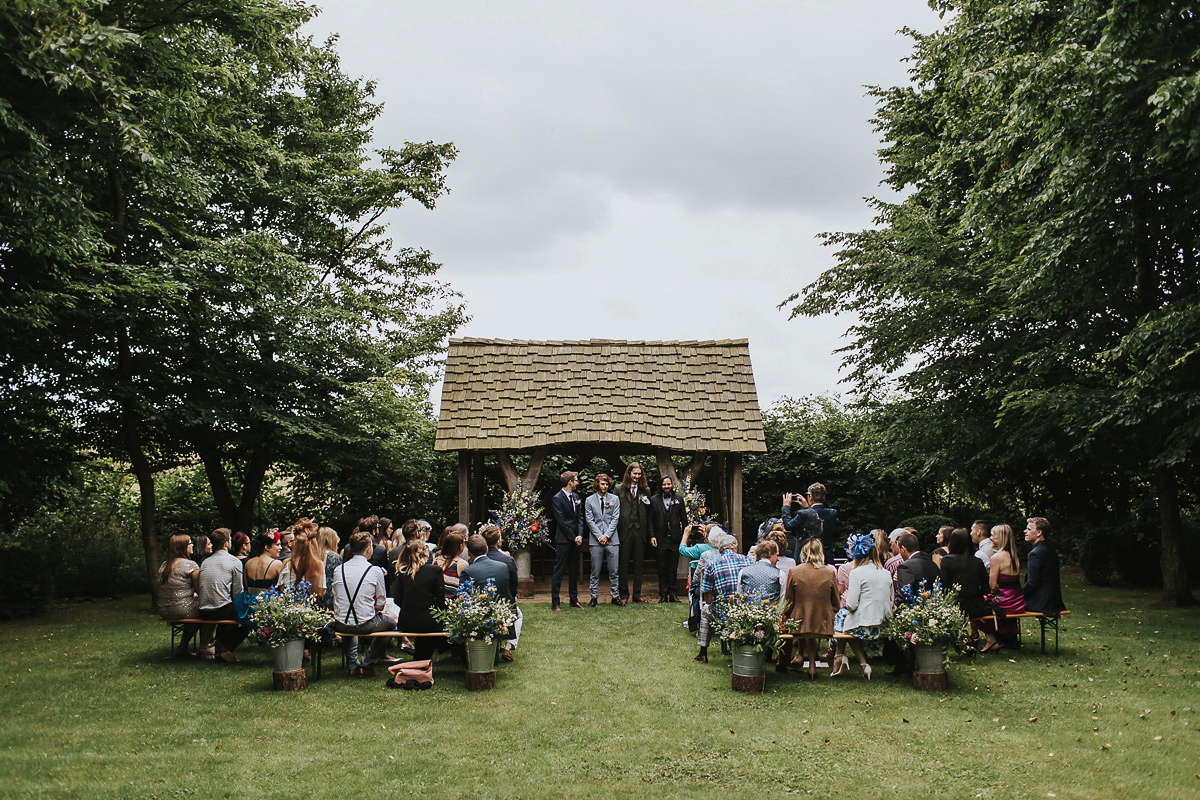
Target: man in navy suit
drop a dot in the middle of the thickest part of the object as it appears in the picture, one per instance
(568, 537)
(1043, 591)
(667, 517)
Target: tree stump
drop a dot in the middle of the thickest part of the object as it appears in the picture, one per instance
(931, 681)
(525, 588)
(750, 683)
(481, 681)
(291, 681)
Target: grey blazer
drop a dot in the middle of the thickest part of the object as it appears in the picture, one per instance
(602, 516)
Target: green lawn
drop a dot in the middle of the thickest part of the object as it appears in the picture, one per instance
(602, 702)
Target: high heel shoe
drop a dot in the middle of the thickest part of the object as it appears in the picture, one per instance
(812, 672)
(843, 666)
(864, 671)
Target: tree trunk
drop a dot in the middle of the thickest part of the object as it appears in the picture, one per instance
(1176, 588)
(131, 433)
(214, 470)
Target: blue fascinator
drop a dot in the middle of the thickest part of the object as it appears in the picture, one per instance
(859, 544)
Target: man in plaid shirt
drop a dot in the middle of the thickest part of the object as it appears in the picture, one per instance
(720, 579)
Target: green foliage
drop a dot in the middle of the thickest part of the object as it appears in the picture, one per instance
(1035, 290)
(26, 582)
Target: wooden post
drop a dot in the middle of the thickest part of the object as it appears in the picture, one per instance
(290, 681)
(477, 510)
(750, 683)
(666, 468)
(481, 681)
(931, 681)
(512, 480)
(692, 471)
(735, 495)
(720, 500)
(464, 488)
(536, 459)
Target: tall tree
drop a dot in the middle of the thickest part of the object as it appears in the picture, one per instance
(1036, 288)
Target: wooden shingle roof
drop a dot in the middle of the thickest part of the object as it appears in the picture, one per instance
(679, 396)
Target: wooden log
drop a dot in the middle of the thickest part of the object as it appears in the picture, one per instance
(525, 588)
(931, 681)
(290, 681)
(750, 683)
(481, 681)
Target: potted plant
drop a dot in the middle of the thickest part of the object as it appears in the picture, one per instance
(284, 618)
(750, 625)
(478, 617)
(522, 522)
(930, 620)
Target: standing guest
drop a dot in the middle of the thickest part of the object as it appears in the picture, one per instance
(1007, 597)
(867, 604)
(720, 580)
(220, 579)
(667, 518)
(418, 590)
(960, 569)
(202, 548)
(450, 561)
(602, 512)
(359, 596)
(328, 541)
(801, 524)
(483, 569)
(761, 579)
(1043, 589)
(263, 568)
(239, 546)
(980, 536)
(568, 537)
(811, 600)
(827, 516)
(178, 578)
(633, 530)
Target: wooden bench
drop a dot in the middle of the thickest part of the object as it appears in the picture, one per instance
(315, 649)
(389, 635)
(1044, 621)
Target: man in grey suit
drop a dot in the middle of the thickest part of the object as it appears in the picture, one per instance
(602, 511)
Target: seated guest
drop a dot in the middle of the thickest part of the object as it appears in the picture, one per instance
(720, 580)
(937, 555)
(895, 560)
(980, 536)
(811, 600)
(1006, 597)
(409, 531)
(263, 568)
(328, 543)
(482, 569)
(359, 595)
(961, 570)
(425, 531)
(491, 535)
(917, 571)
(202, 548)
(449, 559)
(866, 605)
(220, 579)
(1043, 590)
(785, 561)
(307, 564)
(240, 547)
(700, 548)
(761, 579)
(942, 537)
(418, 590)
(178, 577)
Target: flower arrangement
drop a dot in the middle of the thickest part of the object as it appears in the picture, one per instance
(929, 616)
(477, 612)
(693, 503)
(279, 615)
(522, 520)
(746, 619)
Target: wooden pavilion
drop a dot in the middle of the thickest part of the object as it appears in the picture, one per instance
(600, 398)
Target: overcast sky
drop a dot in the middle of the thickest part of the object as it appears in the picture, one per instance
(639, 170)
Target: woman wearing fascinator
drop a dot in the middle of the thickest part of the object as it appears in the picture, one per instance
(867, 604)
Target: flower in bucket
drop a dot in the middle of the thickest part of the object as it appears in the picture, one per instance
(281, 615)
(693, 503)
(746, 619)
(929, 616)
(477, 612)
(522, 520)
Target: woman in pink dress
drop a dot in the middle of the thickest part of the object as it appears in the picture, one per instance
(1006, 597)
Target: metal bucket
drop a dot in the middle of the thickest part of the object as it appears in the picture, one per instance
(481, 655)
(747, 660)
(930, 658)
(288, 656)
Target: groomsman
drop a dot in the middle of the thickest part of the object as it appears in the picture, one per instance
(633, 527)
(667, 518)
(602, 510)
(568, 537)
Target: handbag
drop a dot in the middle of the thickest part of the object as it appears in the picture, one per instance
(411, 675)
(244, 605)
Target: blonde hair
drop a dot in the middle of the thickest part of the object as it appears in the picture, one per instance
(1007, 544)
(328, 539)
(414, 556)
(813, 553)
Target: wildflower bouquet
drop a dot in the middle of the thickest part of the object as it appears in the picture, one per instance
(693, 503)
(929, 616)
(746, 619)
(522, 521)
(280, 615)
(477, 612)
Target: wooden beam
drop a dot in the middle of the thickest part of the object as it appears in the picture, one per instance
(720, 501)
(464, 487)
(477, 510)
(735, 495)
(693, 468)
(666, 467)
(512, 478)
(536, 459)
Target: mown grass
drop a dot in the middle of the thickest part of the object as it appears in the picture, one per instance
(602, 702)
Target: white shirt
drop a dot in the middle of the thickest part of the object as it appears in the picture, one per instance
(370, 598)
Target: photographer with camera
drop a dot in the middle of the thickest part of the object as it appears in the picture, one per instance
(812, 520)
